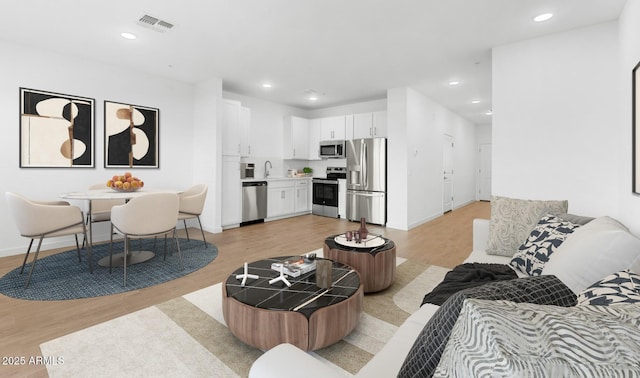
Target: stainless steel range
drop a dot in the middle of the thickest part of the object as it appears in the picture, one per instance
(325, 192)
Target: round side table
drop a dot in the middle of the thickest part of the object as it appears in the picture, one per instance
(377, 266)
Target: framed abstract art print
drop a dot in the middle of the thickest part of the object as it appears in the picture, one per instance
(56, 130)
(131, 136)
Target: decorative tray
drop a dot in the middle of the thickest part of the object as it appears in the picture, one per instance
(371, 241)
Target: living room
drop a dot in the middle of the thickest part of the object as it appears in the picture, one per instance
(561, 124)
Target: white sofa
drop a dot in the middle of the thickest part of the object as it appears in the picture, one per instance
(591, 254)
(388, 361)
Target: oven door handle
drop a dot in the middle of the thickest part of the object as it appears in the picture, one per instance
(316, 181)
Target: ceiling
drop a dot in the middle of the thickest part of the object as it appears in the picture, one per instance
(346, 50)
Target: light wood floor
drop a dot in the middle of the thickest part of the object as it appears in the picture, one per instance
(24, 325)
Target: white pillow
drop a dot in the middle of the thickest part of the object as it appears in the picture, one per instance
(595, 250)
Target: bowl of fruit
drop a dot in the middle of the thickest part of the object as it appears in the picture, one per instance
(125, 183)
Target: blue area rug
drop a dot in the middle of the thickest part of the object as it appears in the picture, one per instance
(61, 276)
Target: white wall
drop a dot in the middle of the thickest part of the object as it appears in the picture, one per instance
(57, 73)
(416, 156)
(207, 147)
(556, 120)
(629, 31)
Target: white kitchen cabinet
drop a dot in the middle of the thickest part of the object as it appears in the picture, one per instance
(302, 196)
(314, 139)
(362, 125)
(295, 138)
(370, 125)
(280, 198)
(231, 192)
(231, 127)
(333, 128)
(380, 124)
(245, 131)
(342, 198)
(288, 197)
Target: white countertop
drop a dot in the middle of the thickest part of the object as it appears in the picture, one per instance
(274, 178)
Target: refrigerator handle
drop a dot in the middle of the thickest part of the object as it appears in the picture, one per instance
(363, 164)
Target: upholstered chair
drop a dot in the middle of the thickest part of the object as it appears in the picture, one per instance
(39, 220)
(147, 215)
(191, 205)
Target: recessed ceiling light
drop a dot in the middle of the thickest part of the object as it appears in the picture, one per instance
(267, 85)
(475, 101)
(489, 112)
(543, 17)
(126, 35)
(454, 82)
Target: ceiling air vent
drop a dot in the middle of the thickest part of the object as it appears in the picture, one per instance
(154, 23)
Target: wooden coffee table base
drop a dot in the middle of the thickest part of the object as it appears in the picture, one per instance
(265, 329)
(377, 271)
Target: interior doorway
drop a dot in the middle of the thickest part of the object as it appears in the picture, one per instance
(448, 177)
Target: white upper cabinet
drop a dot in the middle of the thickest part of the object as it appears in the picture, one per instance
(295, 138)
(362, 125)
(245, 131)
(333, 128)
(314, 139)
(370, 125)
(230, 127)
(380, 124)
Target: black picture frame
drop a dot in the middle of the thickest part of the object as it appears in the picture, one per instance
(131, 136)
(56, 130)
(635, 108)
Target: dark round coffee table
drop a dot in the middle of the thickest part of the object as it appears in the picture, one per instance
(264, 315)
(376, 265)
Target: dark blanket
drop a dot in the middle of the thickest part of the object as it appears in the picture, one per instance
(425, 354)
(466, 276)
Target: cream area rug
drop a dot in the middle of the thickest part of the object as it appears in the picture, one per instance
(187, 336)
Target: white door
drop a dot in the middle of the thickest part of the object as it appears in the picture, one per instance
(447, 187)
(484, 173)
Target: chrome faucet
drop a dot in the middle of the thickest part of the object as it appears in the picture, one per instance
(266, 171)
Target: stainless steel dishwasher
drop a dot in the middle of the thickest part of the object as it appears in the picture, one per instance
(254, 202)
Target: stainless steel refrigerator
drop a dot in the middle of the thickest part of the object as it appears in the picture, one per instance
(367, 180)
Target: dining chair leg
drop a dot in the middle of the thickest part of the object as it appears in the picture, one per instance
(26, 256)
(185, 228)
(111, 250)
(201, 230)
(85, 237)
(89, 249)
(33, 264)
(165, 247)
(78, 248)
(126, 251)
(178, 245)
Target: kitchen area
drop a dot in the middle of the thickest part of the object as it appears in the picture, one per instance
(311, 171)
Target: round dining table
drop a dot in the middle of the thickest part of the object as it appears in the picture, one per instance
(134, 257)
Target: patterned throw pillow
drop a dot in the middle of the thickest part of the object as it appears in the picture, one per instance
(620, 287)
(544, 239)
(512, 220)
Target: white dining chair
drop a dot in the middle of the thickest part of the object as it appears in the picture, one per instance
(41, 219)
(148, 215)
(191, 205)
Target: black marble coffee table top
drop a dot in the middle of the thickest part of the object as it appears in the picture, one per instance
(303, 296)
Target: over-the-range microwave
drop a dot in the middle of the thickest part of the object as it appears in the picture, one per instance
(334, 149)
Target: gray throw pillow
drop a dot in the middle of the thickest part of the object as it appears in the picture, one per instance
(513, 219)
